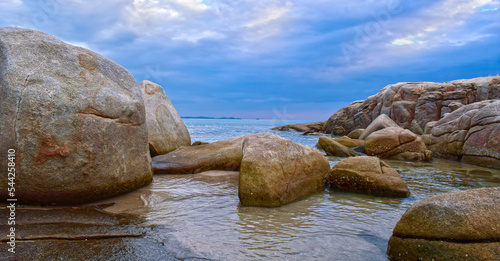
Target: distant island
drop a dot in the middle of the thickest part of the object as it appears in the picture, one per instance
(211, 118)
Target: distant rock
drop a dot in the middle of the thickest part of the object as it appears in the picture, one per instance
(397, 143)
(75, 119)
(461, 225)
(166, 130)
(220, 155)
(197, 143)
(404, 102)
(381, 122)
(333, 148)
(308, 128)
(275, 172)
(470, 133)
(355, 134)
(367, 175)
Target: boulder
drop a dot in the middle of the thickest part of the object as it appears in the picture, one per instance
(470, 133)
(308, 128)
(348, 142)
(355, 134)
(220, 155)
(276, 171)
(333, 148)
(461, 225)
(397, 143)
(404, 102)
(381, 122)
(75, 119)
(166, 130)
(367, 175)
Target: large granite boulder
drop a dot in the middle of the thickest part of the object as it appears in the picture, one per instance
(333, 148)
(367, 175)
(166, 130)
(381, 122)
(471, 133)
(220, 155)
(75, 119)
(405, 102)
(461, 225)
(276, 171)
(397, 143)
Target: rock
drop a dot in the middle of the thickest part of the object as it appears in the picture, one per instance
(367, 175)
(381, 122)
(75, 119)
(220, 155)
(302, 127)
(397, 143)
(348, 142)
(415, 128)
(471, 134)
(355, 134)
(333, 148)
(461, 225)
(166, 130)
(405, 102)
(198, 143)
(276, 171)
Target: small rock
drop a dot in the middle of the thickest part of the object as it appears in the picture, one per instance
(333, 148)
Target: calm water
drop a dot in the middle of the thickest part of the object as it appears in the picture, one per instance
(205, 216)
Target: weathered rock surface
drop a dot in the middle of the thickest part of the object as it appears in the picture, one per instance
(220, 155)
(461, 225)
(381, 122)
(471, 133)
(311, 127)
(276, 171)
(348, 142)
(397, 143)
(367, 175)
(355, 134)
(333, 148)
(74, 118)
(166, 130)
(404, 102)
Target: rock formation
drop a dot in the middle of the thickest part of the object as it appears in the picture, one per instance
(166, 130)
(308, 128)
(367, 175)
(413, 105)
(471, 133)
(75, 119)
(333, 148)
(275, 171)
(397, 143)
(452, 226)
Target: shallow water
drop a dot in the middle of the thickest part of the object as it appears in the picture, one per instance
(206, 217)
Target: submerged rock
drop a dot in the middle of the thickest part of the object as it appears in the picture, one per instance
(367, 175)
(220, 155)
(334, 148)
(461, 225)
(166, 130)
(275, 172)
(470, 133)
(74, 118)
(397, 143)
(404, 102)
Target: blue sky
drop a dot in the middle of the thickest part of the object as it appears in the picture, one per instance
(278, 59)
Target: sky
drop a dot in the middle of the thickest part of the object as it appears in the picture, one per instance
(275, 59)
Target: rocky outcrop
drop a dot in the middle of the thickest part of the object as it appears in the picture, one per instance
(312, 127)
(412, 104)
(381, 122)
(452, 226)
(166, 130)
(220, 155)
(75, 119)
(471, 133)
(397, 143)
(333, 148)
(275, 171)
(367, 175)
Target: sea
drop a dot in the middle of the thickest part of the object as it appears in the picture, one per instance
(205, 216)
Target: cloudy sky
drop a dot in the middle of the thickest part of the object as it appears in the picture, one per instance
(276, 58)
